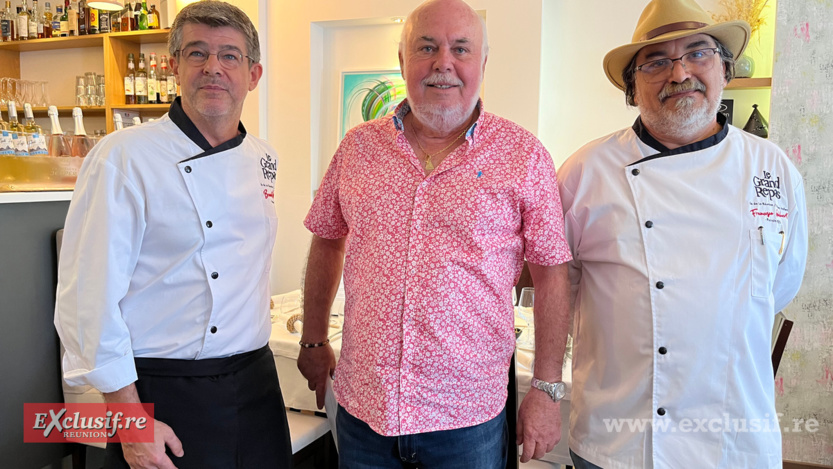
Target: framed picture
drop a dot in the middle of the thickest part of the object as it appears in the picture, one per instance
(368, 95)
(726, 107)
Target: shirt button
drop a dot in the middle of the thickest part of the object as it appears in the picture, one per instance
(209, 224)
(649, 224)
(214, 275)
(660, 285)
(635, 172)
(661, 411)
(213, 329)
(663, 350)
(187, 169)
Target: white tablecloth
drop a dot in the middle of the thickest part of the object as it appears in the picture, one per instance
(297, 395)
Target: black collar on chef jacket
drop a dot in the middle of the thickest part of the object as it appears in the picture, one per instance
(178, 116)
(649, 140)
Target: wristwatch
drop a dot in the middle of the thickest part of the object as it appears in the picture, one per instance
(556, 391)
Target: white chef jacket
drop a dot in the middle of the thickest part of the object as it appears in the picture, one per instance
(166, 252)
(681, 260)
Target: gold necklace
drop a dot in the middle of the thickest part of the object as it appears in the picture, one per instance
(428, 165)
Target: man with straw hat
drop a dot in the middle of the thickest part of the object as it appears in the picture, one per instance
(688, 236)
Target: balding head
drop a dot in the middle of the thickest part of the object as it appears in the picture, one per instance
(443, 57)
(455, 7)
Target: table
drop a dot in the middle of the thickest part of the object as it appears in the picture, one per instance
(297, 395)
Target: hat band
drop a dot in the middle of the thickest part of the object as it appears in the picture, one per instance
(682, 25)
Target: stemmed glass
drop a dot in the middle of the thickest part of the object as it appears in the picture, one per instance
(525, 312)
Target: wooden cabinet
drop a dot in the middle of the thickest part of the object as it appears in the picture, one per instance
(114, 49)
(749, 83)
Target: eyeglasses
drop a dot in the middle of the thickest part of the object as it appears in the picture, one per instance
(229, 59)
(695, 61)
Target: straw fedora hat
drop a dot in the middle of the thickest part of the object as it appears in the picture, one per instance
(666, 20)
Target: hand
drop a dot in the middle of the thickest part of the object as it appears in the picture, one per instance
(539, 424)
(152, 455)
(317, 364)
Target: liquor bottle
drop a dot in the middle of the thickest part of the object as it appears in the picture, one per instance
(118, 123)
(126, 19)
(153, 17)
(130, 81)
(153, 81)
(137, 11)
(95, 20)
(23, 23)
(34, 27)
(141, 82)
(81, 144)
(14, 124)
(143, 17)
(46, 19)
(57, 144)
(29, 124)
(114, 20)
(104, 24)
(83, 18)
(56, 21)
(7, 22)
(72, 18)
(166, 79)
(35, 139)
(65, 21)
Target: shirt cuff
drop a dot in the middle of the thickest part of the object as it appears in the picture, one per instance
(107, 378)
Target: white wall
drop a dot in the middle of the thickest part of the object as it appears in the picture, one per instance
(298, 96)
(578, 103)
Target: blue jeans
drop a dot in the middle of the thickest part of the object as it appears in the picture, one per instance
(481, 446)
(581, 463)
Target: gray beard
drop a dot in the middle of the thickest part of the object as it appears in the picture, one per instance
(442, 119)
(683, 121)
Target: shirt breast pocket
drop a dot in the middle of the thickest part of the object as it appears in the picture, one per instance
(766, 245)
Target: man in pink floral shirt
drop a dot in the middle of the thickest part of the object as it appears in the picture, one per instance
(431, 212)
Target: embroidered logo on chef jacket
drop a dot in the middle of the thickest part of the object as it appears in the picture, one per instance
(269, 167)
(767, 186)
(768, 203)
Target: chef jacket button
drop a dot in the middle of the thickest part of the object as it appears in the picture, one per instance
(214, 275)
(187, 169)
(649, 224)
(660, 285)
(213, 329)
(209, 224)
(635, 171)
(663, 350)
(661, 411)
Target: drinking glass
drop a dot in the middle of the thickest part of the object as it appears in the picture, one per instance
(525, 312)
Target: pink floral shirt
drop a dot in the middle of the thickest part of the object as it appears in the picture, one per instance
(429, 324)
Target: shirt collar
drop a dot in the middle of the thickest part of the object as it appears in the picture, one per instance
(186, 125)
(642, 132)
(404, 108)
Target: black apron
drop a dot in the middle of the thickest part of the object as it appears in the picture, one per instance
(227, 412)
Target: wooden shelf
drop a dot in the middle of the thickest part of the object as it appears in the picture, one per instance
(749, 83)
(54, 43)
(161, 108)
(66, 111)
(151, 36)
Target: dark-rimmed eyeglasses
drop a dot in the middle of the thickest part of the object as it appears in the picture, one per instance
(696, 61)
(229, 59)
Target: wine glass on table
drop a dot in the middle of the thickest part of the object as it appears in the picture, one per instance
(525, 312)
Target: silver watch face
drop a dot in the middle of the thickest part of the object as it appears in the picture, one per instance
(556, 391)
(560, 391)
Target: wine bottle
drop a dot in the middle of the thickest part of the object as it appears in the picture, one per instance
(34, 134)
(14, 124)
(57, 143)
(130, 81)
(141, 81)
(81, 144)
(153, 81)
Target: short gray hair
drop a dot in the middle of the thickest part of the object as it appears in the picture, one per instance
(215, 14)
(629, 73)
(403, 38)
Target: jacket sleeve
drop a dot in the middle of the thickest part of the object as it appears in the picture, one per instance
(102, 238)
(791, 267)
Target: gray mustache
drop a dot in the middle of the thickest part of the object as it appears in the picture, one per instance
(687, 85)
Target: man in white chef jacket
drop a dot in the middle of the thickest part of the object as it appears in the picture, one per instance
(163, 289)
(688, 236)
